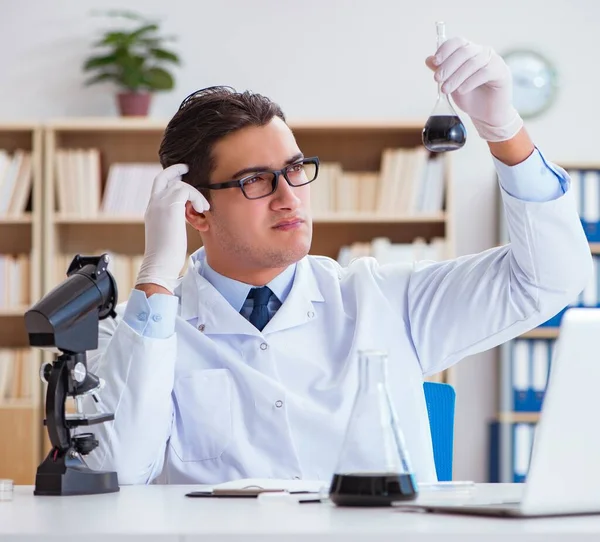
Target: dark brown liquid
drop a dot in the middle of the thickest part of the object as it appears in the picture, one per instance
(444, 133)
(371, 489)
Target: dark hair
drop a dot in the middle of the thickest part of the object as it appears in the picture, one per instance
(205, 117)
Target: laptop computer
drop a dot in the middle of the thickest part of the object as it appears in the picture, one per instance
(564, 471)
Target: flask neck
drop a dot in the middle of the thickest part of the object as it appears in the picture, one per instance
(372, 371)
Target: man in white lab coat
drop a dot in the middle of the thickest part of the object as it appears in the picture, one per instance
(214, 377)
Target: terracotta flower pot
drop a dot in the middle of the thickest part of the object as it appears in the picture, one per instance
(134, 104)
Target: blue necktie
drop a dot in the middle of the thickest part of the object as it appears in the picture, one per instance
(260, 313)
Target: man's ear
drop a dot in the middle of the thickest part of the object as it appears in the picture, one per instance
(197, 220)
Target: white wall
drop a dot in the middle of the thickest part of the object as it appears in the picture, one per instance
(334, 59)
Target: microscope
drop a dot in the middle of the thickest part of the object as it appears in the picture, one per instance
(66, 318)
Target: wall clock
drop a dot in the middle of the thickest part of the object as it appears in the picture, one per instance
(535, 81)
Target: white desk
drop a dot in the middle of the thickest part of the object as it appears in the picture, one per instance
(163, 513)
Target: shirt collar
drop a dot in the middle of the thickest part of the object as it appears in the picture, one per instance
(236, 292)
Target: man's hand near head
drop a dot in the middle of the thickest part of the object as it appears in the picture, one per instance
(165, 231)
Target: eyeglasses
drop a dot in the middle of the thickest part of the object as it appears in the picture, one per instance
(264, 183)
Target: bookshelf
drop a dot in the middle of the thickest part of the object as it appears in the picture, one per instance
(21, 234)
(356, 146)
(505, 449)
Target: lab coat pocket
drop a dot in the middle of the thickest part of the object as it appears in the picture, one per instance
(202, 426)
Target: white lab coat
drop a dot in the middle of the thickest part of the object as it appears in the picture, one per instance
(219, 400)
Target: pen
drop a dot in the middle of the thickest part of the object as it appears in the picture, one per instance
(304, 498)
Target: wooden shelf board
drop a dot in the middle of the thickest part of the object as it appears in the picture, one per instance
(579, 165)
(6, 404)
(99, 124)
(356, 124)
(16, 236)
(342, 218)
(357, 218)
(13, 312)
(518, 417)
(18, 126)
(149, 123)
(98, 220)
(13, 333)
(15, 220)
(541, 333)
(595, 248)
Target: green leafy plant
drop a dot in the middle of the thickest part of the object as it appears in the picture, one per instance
(133, 59)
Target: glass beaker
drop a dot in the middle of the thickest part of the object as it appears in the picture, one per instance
(373, 468)
(443, 131)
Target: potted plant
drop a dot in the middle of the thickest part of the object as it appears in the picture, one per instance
(135, 60)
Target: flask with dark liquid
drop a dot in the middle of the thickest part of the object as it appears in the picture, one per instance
(373, 468)
(443, 131)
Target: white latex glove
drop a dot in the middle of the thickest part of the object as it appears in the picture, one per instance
(166, 237)
(480, 83)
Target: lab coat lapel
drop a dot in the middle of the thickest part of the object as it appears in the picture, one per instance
(206, 309)
(299, 306)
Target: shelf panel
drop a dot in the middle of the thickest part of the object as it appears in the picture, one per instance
(16, 137)
(355, 150)
(12, 329)
(337, 218)
(541, 333)
(18, 404)
(15, 235)
(518, 417)
(100, 220)
(123, 237)
(19, 444)
(100, 124)
(11, 312)
(11, 221)
(416, 124)
(328, 237)
(126, 235)
(371, 218)
(148, 123)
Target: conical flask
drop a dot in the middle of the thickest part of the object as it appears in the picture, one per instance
(443, 131)
(373, 468)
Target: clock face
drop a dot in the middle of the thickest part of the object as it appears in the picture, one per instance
(534, 82)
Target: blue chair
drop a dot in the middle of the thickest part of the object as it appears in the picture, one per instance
(440, 399)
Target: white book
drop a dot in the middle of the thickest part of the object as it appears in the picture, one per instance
(541, 358)
(591, 193)
(95, 180)
(589, 296)
(418, 177)
(109, 196)
(10, 180)
(5, 164)
(386, 179)
(520, 366)
(523, 444)
(6, 373)
(61, 183)
(22, 190)
(575, 176)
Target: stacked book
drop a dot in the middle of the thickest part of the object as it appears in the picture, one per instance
(408, 183)
(16, 177)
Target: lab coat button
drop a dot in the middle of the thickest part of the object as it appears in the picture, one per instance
(264, 346)
(201, 327)
(278, 404)
(310, 314)
(157, 317)
(142, 316)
